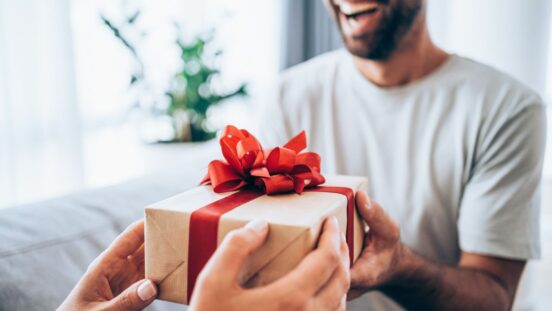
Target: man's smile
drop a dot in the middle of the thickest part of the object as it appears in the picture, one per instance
(357, 18)
(355, 9)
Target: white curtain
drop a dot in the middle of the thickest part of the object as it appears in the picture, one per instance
(308, 30)
(39, 123)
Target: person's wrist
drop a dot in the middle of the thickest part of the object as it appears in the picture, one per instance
(403, 264)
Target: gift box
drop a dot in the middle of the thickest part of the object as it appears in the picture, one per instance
(282, 186)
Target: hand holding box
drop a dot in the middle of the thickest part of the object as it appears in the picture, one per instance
(182, 232)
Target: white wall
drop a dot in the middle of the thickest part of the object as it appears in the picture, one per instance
(512, 35)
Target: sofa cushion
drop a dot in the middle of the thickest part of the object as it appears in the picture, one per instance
(46, 247)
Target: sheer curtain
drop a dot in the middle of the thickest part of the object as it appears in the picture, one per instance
(39, 123)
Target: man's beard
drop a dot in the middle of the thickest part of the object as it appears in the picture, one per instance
(396, 21)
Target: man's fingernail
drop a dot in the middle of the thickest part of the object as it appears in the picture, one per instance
(257, 225)
(146, 290)
(343, 238)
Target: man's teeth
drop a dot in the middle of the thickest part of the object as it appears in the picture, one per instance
(355, 8)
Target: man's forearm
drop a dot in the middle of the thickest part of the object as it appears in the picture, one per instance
(426, 285)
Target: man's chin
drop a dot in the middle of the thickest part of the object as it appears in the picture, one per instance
(365, 48)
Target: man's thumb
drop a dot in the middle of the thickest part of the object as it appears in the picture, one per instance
(136, 297)
(375, 217)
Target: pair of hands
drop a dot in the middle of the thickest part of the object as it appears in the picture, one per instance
(115, 280)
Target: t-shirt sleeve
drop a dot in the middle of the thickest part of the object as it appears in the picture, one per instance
(499, 212)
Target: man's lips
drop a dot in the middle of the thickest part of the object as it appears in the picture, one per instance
(358, 18)
(352, 9)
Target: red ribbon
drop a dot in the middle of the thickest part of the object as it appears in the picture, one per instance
(282, 169)
(203, 230)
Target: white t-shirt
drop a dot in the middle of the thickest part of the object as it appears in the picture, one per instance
(455, 158)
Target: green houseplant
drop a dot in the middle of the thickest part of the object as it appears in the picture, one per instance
(191, 92)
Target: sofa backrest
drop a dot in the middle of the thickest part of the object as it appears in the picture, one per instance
(46, 247)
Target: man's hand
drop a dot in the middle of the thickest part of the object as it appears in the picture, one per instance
(478, 282)
(319, 282)
(115, 280)
(381, 257)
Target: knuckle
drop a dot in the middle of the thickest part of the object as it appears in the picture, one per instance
(238, 239)
(332, 256)
(95, 263)
(364, 278)
(296, 302)
(91, 266)
(206, 280)
(396, 232)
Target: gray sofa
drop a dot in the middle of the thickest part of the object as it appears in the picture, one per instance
(46, 247)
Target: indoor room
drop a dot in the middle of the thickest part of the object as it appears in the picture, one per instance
(277, 154)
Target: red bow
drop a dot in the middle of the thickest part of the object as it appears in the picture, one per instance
(284, 169)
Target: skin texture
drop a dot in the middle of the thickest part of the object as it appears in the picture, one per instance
(397, 19)
(413, 57)
(320, 282)
(112, 280)
(478, 282)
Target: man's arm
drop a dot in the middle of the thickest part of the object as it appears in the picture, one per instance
(478, 282)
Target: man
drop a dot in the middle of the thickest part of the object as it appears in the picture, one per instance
(452, 149)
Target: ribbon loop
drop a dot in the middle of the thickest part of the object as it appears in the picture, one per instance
(282, 169)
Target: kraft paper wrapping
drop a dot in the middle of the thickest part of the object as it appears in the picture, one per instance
(294, 220)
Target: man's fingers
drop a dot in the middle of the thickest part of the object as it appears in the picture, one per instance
(376, 218)
(355, 293)
(234, 250)
(136, 297)
(138, 257)
(331, 295)
(316, 268)
(127, 242)
(360, 274)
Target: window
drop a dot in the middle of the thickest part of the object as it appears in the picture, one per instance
(246, 31)
(64, 100)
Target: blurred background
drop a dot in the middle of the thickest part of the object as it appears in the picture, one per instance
(96, 92)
